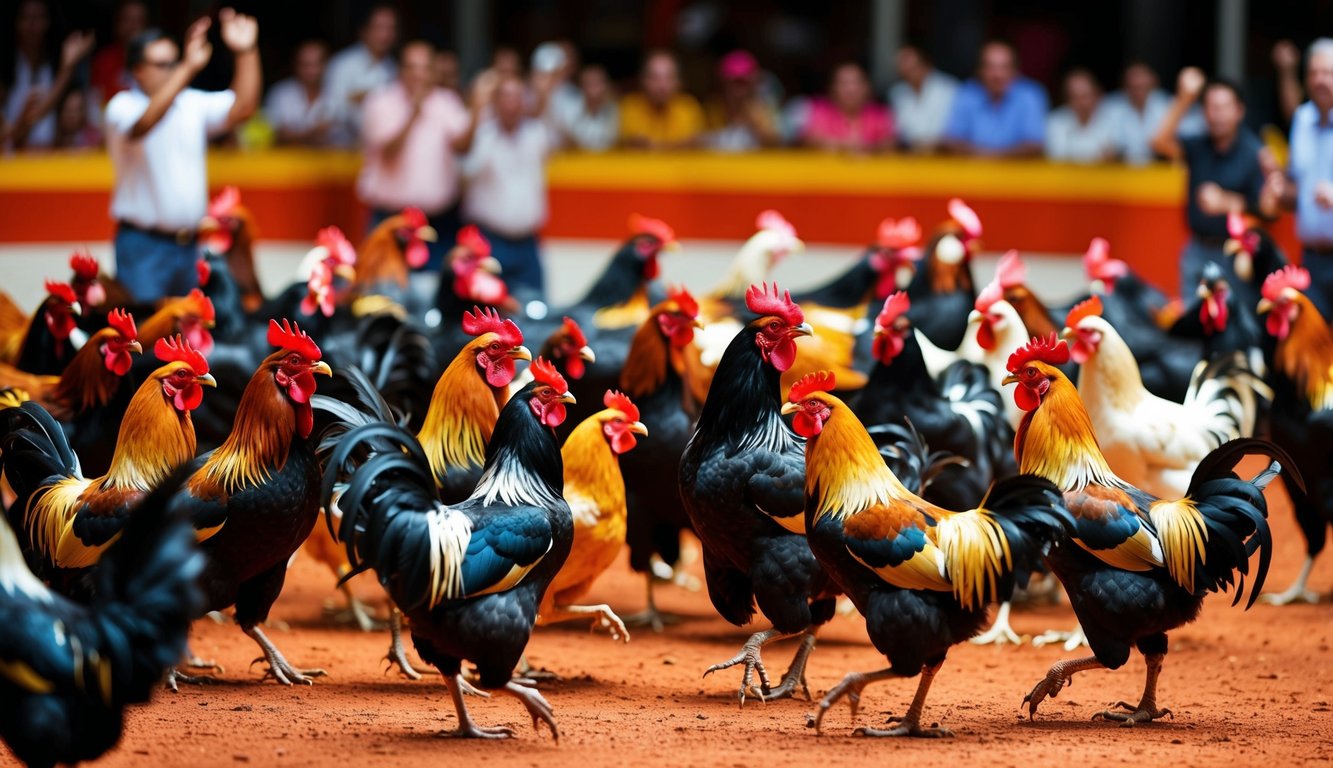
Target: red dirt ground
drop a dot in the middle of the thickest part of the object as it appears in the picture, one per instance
(1246, 689)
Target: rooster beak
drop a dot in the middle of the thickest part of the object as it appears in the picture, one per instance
(790, 408)
(587, 354)
(638, 428)
(1010, 379)
(520, 353)
(674, 245)
(428, 233)
(567, 398)
(208, 225)
(491, 264)
(973, 317)
(697, 323)
(1231, 247)
(1067, 333)
(135, 346)
(321, 367)
(1204, 291)
(1265, 306)
(75, 309)
(803, 329)
(346, 272)
(207, 380)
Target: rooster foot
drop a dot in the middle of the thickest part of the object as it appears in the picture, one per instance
(355, 612)
(753, 660)
(850, 688)
(652, 618)
(1000, 633)
(528, 675)
(174, 677)
(194, 662)
(474, 731)
(911, 728)
(1060, 675)
(1144, 712)
(1290, 597)
(794, 677)
(609, 621)
(537, 706)
(1072, 640)
(283, 672)
(397, 657)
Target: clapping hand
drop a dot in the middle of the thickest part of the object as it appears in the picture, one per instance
(197, 48)
(239, 32)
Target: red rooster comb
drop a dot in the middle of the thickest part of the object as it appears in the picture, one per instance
(336, 243)
(1099, 265)
(762, 301)
(894, 307)
(123, 322)
(816, 381)
(1290, 276)
(61, 291)
(899, 234)
(992, 293)
(621, 402)
(545, 373)
(84, 265)
(1011, 272)
(172, 349)
(1088, 308)
(1050, 349)
(574, 332)
(966, 218)
(488, 320)
(642, 225)
(226, 203)
(772, 220)
(290, 337)
(471, 238)
(1236, 225)
(684, 299)
(203, 306)
(416, 218)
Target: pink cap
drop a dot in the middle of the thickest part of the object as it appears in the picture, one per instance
(737, 65)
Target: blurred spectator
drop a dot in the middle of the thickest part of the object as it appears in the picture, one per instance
(848, 120)
(74, 130)
(506, 62)
(32, 84)
(506, 185)
(444, 68)
(593, 121)
(741, 119)
(359, 69)
(1224, 171)
(109, 75)
(561, 60)
(296, 107)
(921, 100)
(413, 133)
(999, 112)
(157, 136)
(793, 117)
(1287, 65)
(1309, 189)
(661, 117)
(1136, 112)
(1081, 131)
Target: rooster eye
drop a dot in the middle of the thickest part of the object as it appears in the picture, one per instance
(773, 325)
(1031, 372)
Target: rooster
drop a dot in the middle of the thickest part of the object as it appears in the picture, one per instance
(229, 230)
(255, 499)
(66, 520)
(97, 387)
(921, 575)
(567, 349)
(1302, 412)
(472, 279)
(942, 289)
(741, 482)
(469, 576)
(1221, 321)
(391, 250)
(775, 239)
(1135, 566)
(48, 342)
(192, 316)
(1151, 443)
(595, 492)
(95, 291)
(70, 670)
(656, 376)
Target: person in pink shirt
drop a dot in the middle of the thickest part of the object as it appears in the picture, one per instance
(848, 120)
(413, 133)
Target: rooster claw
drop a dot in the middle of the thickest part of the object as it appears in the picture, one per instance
(174, 677)
(282, 672)
(1048, 687)
(1144, 712)
(477, 732)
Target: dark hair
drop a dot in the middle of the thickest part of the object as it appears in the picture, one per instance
(1227, 84)
(375, 9)
(919, 50)
(134, 51)
(1005, 44)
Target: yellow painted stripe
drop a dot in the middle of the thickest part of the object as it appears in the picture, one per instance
(788, 172)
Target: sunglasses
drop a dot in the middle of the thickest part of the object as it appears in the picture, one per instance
(159, 64)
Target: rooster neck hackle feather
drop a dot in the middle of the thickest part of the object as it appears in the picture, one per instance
(462, 413)
(1111, 375)
(260, 439)
(592, 469)
(1057, 441)
(1306, 355)
(648, 359)
(154, 437)
(86, 383)
(846, 475)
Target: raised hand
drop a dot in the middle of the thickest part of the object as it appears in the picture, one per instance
(239, 32)
(1286, 56)
(198, 50)
(1190, 82)
(76, 47)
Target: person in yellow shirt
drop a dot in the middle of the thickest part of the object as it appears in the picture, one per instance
(661, 116)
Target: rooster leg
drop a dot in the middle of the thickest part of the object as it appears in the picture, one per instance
(174, 678)
(397, 655)
(1296, 593)
(603, 618)
(753, 660)
(278, 667)
(650, 616)
(537, 706)
(1147, 710)
(194, 662)
(1060, 675)
(526, 674)
(1072, 640)
(355, 612)
(795, 673)
(467, 728)
(1000, 633)
(910, 723)
(850, 687)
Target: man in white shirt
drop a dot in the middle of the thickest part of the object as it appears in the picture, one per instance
(506, 187)
(1079, 132)
(921, 100)
(1136, 111)
(157, 136)
(591, 122)
(296, 107)
(359, 69)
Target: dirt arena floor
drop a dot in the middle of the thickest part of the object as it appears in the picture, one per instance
(1246, 688)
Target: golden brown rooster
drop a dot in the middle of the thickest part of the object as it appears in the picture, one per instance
(191, 316)
(391, 250)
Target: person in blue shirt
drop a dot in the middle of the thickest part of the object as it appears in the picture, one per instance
(1308, 185)
(999, 113)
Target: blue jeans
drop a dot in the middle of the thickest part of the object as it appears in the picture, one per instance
(152, 266)
(521, 261)
(1320, 267)
(446, 224)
